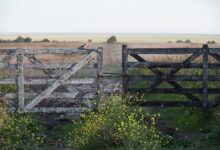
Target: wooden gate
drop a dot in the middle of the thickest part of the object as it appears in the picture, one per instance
(171, 77)
(63, 86)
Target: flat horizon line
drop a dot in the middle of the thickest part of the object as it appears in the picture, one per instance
(101, 33)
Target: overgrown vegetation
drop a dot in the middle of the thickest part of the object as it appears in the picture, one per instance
(191, 127)
(19, 131)
(116, 126)
(7, 88)
(195, 129)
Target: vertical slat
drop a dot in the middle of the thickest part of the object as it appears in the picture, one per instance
(124, 68)
(205, 52)
(20, 80)
(99, 73)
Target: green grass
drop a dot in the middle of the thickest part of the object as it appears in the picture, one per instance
(19, 131)
(192, 128)
(202, 128)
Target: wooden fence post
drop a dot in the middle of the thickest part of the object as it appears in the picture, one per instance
(20, 80)
(205, 53)
(124, 68)
(99, 73)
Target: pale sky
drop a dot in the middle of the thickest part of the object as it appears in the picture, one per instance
(110, 16)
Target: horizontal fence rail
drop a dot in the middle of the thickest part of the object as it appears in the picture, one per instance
(163, 50)
(133, 78)
(34, 81)
(169, 65)
(170, 76)
(49, 66)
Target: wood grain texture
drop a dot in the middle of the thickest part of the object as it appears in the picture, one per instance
(20, 80)
(61, 80)
(99, 74)
(205, 77)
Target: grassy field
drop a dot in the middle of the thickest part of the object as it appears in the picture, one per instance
(102, 37)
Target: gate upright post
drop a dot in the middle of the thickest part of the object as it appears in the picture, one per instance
(99, 73)
(20, 80)
(205, 53)
(124, 69)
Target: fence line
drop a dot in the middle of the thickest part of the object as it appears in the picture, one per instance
(77, 89)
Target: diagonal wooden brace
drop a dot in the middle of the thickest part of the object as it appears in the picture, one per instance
(216, 56)
(62, 79)
(173, 70)
(163, 77)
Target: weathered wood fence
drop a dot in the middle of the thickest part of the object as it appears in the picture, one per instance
(32, 93)
(64, 86)
(170, 77)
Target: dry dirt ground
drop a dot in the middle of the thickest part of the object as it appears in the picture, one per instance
(112, 52)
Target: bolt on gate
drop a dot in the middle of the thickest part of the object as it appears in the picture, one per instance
(61, 81)
(197, 97)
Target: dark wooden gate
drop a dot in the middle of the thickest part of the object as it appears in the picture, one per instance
(171, 77)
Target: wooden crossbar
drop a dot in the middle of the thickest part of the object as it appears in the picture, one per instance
(170, 77)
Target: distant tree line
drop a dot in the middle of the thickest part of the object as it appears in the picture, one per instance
(186, 41)
(21, 39)
(111, 40)
(189, 41)
(211, 42)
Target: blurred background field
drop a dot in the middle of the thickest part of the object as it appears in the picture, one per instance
(101, 37)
